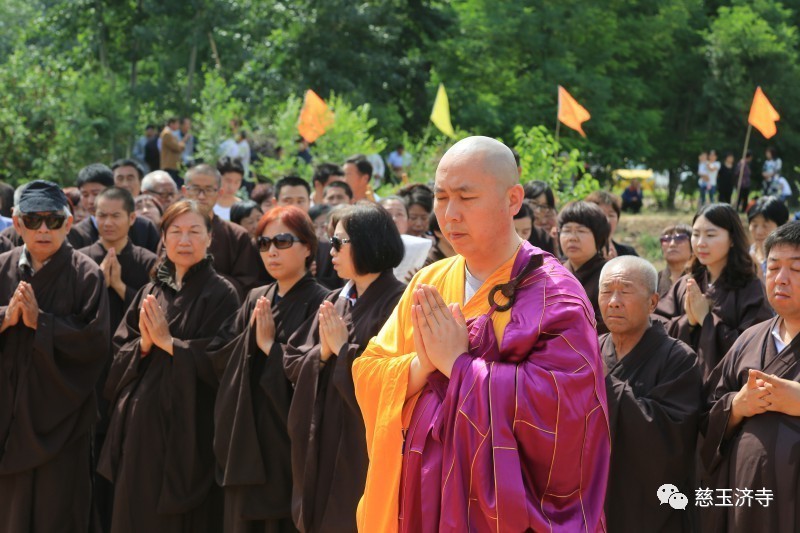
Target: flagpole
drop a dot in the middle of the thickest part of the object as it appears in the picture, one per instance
(741, 166)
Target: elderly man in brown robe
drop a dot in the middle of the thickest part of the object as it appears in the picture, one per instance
(235, 255)
(751, 449)
(654, 384)
(54, 342)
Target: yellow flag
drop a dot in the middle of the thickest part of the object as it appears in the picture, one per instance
(440, 116)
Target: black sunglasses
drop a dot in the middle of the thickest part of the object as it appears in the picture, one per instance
(52, 221)
(281, 241)
(336, 243)
(677, 237)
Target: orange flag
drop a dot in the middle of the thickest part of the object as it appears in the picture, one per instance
(762, 115)
(315, 117)
(570, 112)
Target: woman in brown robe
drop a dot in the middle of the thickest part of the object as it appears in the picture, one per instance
(329, 451)
(251, 439)
(158, 451)
(721, 296)
(583, 232)
(676, 248)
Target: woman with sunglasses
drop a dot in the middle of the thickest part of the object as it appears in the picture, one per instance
(251, 440)
(583, 233)
(158, 449)
(329, 451)
(676, 249)
(721, 296)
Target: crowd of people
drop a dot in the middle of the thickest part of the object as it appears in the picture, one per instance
(461, 356)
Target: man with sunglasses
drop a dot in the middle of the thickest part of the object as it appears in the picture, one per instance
(483, 395)
(54, 342)
(235, 256)
(92, 180)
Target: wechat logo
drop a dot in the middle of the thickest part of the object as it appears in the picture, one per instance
(670, 494)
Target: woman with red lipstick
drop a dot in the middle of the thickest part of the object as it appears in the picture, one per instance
(721, 296)
(583, 231)
(251, 440)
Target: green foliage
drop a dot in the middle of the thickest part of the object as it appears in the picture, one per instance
(218, 108)
(542, 158)
(349, 135)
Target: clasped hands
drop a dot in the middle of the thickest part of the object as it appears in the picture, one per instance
(695, 304)
(22, 306)
(765, 392)
(440, 331)
(333, 332)
(153, 327)
(112, 272)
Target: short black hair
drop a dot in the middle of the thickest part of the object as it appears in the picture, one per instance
(262, 192)
(589, 215)
(361, 163)
(534, 189)
(788, 234)
(291, 181)
(516, 156)
(230, 164)
(324, 171)
(341, 185)
(95, 173)
(771, 208)
(116, 193)
(375, 243)
(128, 163)
(150, 127)
(242, 209)
(433, 225)
(524, 211)
(317, 210)
(417, 194)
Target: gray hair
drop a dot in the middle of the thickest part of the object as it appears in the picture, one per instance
(641, 267)
(150, 181)
(202, 170)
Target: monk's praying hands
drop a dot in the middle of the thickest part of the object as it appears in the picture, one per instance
(156, 324)
(442, 328)
(29, 308)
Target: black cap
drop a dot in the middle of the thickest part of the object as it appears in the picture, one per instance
(42, 196)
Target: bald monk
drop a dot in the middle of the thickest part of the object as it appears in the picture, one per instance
(483, 396)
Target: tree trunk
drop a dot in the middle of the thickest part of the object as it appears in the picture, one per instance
(672, 188)
(190, 76)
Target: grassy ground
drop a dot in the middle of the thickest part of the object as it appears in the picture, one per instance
(642, 231)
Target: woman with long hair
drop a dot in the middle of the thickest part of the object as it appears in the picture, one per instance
(721, 296)
(251, 439)
(158, 450)
(329, 449)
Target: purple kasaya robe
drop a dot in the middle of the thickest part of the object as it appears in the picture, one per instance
(518, 438)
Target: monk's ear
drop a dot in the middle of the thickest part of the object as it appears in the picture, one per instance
(653, 302)
(515, 195)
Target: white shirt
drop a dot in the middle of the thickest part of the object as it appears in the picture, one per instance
(776, 336)
(712, 171)
(471, 285)
(222, 212)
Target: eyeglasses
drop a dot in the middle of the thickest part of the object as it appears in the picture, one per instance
(52, 221)
(677, 237)
(282, 241)
(337, 243)
(197, 191)
(166, 195)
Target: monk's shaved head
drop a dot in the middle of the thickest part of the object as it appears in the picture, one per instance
(638, 269)
(493, 157)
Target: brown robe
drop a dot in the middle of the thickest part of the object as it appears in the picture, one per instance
(136, 264)
(5, 244)
(654, 404)
(251, 439)
(732, 312)
(158, 451)
(589, 276)
(236, 257)
(11, 234)
(329, 449)
(47, 393)
(143, 233)
(764, 451)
